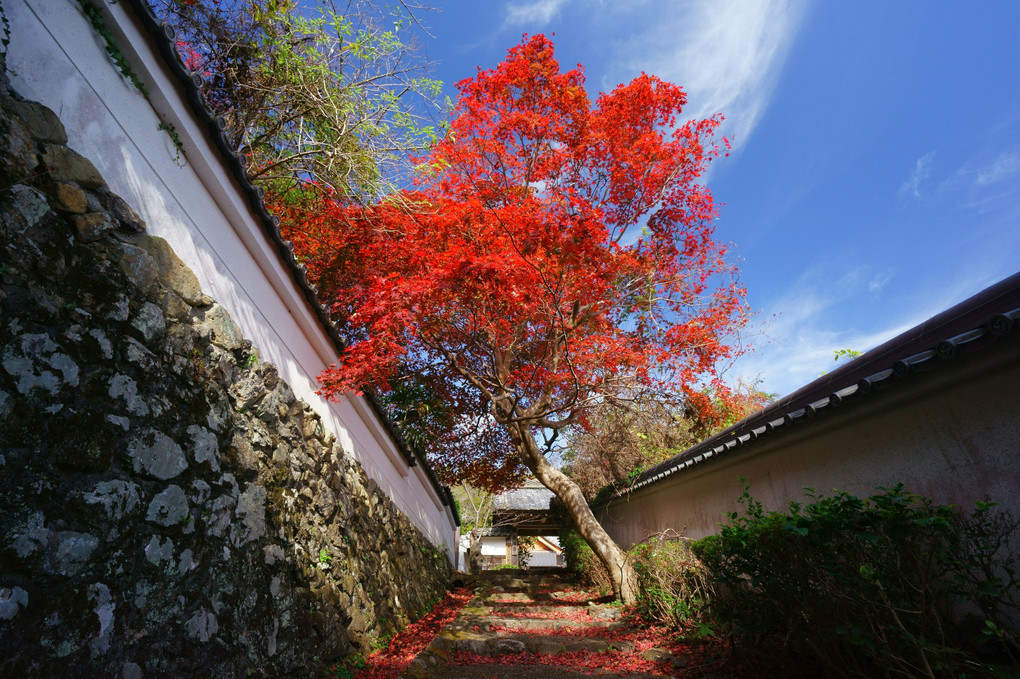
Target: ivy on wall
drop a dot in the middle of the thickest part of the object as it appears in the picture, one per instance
(116, 55)
(112, 48)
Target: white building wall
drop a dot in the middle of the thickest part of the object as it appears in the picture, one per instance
(55, 57)
(493, 546)
(542, 559)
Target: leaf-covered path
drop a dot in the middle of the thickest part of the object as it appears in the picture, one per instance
(539, 624)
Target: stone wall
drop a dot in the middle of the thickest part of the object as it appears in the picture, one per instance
(167, 506)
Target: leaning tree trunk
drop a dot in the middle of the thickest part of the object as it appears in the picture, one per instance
(621, 570)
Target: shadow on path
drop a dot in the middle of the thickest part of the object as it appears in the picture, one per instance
(539, 624)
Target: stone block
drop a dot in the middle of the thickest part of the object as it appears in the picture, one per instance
(168, 508)
(67, 197)
(123, 213)
(65, 165)
(157, 455)
(173, 272)
(138, 266)
(12, 600)
(18, 161)
(225, 332)
(69, 553)
(118, 498)
(40, 122)
(150, 322)
(92, 226)
(204, 447)
(241, 454)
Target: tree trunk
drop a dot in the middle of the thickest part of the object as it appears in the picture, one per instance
(621, 570)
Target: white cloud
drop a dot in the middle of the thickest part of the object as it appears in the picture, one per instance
(922, 170)
(537, 13)
(983, 185)
(811, 323)
(809, 328)
(1006, 165)
(876, 284)
(726, 54)
(977, 174)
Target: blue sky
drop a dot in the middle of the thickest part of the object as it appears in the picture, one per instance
(875, 173)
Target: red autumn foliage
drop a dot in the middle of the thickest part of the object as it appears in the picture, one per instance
(402, 649)
(686, 657)
(553, 255)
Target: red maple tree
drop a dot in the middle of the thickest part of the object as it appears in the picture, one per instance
(553, 255)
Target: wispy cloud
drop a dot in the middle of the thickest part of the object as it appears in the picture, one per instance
(879, 281)
(1003, 167)
(979, 174)
(727, 55)
(799, 344)
(812, 321)
(911, 188)
(534, 14)
(986, 182)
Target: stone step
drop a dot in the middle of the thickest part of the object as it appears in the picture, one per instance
(594, 611)
(533, 606)
(485, 622)
(525, 581)
(565, 596)
(508, 587)
(525, 671)
(504, 643)
(571, 615)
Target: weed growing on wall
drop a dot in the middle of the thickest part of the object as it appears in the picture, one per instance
(112, 47)
(175, 138)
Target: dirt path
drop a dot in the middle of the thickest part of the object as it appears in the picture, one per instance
(540, 625)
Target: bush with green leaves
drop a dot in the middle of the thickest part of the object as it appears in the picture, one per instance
(675, 585)
(525, 547)
(584, 563)
(893, 585)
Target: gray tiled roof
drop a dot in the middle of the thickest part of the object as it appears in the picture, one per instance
(529, 498)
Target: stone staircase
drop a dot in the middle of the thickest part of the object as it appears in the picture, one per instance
(533, 624)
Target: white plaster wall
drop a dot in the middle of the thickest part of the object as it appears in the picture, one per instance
(493, 546)
(952, 434)
(55, 57)
(542, 559)
(462, 555)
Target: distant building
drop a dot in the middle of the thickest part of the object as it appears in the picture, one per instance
(527, 511)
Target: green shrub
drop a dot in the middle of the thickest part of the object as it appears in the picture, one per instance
(675, 586)
(893, 585)
(582, 561)
(525, 546)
